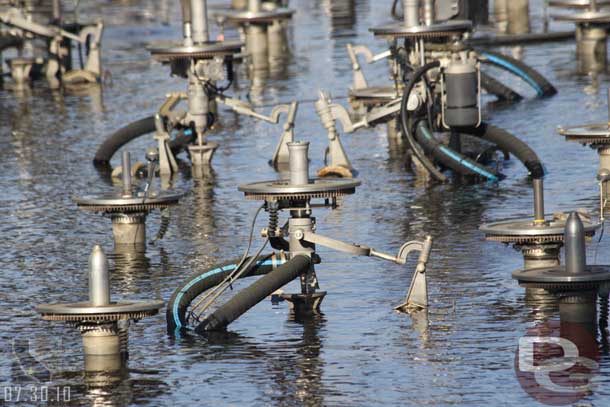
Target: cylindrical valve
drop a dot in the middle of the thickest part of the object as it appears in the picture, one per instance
(462, 95)
(199, 21)
(411, 12)
(299, 162)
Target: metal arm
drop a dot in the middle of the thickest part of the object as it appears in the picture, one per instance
(417, 296)
(355, 50)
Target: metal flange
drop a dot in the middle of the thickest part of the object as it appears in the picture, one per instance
(578, 4)
(115, 202)
(558, 279)
(525, 231)
(84, 311)
(168, 51)
(596, 133)
(283, 189)
(444, 29)
(593, 17)
(263, 16)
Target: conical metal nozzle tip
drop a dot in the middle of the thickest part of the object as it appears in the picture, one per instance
(99, 280)
(576, 260)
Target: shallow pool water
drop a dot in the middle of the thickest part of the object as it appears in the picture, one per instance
(360, 352)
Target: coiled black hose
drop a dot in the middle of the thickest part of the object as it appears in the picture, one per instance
(252, 295)
(198, 283)
(508, 142)
(124, 135)
(404, 121)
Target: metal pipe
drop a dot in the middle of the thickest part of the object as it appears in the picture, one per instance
(428, 12)
(99, 282)
(608, 106)
(199, 21)
(538, 201)
(299, 162)
(126, 173)
(410, 9)
(185, 6)
(575, 255)
(254, 6)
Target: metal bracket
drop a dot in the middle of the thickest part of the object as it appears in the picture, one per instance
(280, 156)
(360, 81)
(417, 296)
(167, 161)
(329, 113)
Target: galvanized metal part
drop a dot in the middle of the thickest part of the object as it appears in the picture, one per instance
(597, 133)
(444, 29)
(591, 17)
(575, 275)
(113, 202)
(169, 51)
(99, 308)
(262, 16)
(525, 231)
(374, 95)
(577, 4)
(283, 189)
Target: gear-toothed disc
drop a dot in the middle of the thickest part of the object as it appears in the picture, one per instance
(165, 52)
(444, 29)
(84, 311)
(317, 188)
(115, 203)
(524, 231)
(558, 279)
(264, 16)
(592, 17)
(576, 4)
(597, 133)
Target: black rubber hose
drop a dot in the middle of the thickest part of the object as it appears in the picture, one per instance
(252, 295)
(543, 87)
(513, 145)
(497, 88)
(450, 158)
(404, 121)
(131, 132)
(200, 282)
(9, 42)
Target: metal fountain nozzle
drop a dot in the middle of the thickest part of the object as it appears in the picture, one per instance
(102, 322)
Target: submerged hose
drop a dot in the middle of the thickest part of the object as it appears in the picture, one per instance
(404, 121)
(132, 131)
(513, 145)
(542, 86)
(252, 295)
(497, 88)
(198, 283)
(451, 158)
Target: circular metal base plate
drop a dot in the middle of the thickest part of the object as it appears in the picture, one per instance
(597, 133)
(445, 29)
(524, 231)
(256, 17)
(318, 188)
(581, 4)
(374, 94)
(599, 17)
(84, 311)
(557, 278)
(168, 51)
(114, 202)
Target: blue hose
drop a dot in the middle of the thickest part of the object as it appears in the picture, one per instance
(515, 70)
